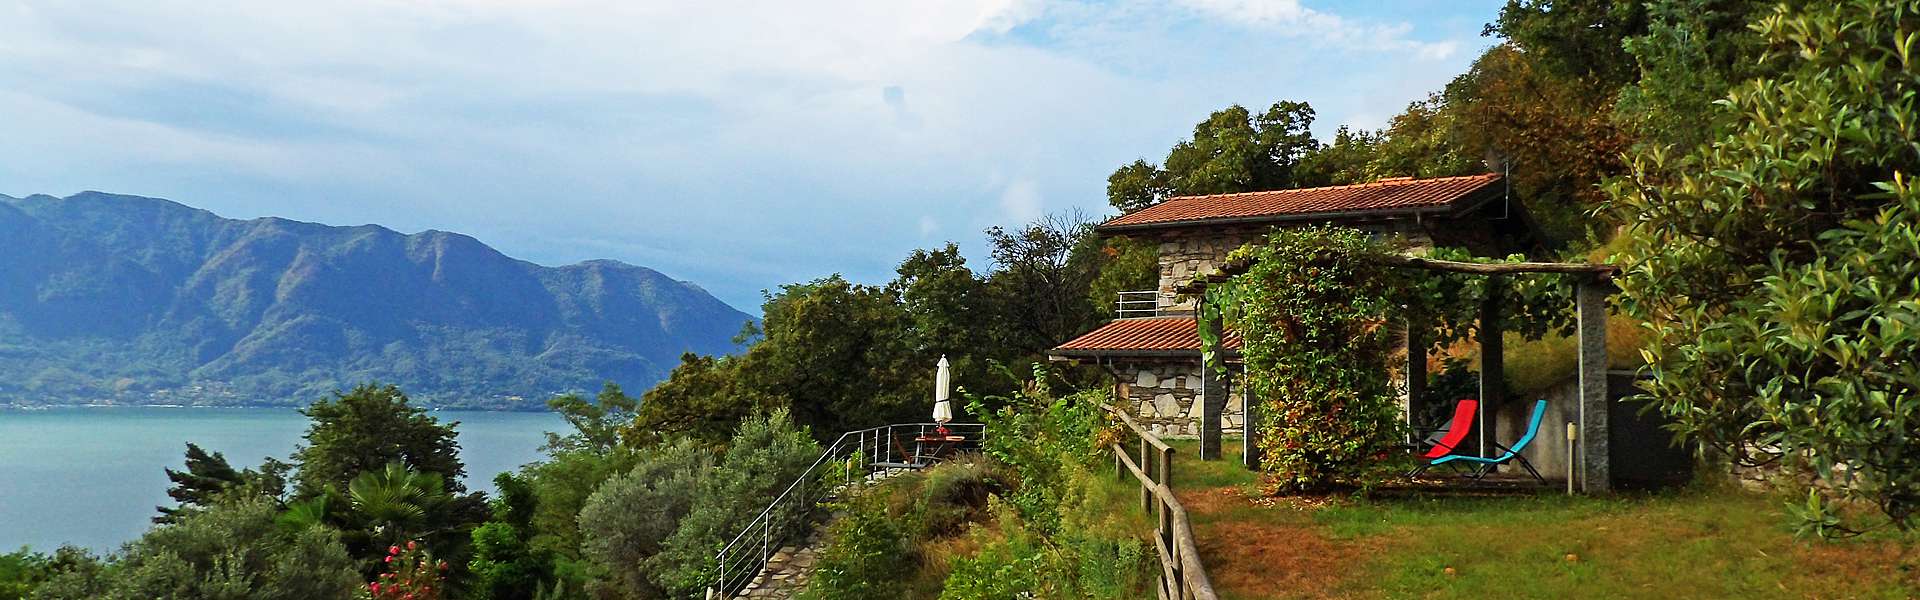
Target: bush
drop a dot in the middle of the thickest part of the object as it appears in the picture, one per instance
(411, 574)
(766, 455)
(1017, 565)
(1036, 435)
(225, 551)
(871, 548)
(619, 535)
(1775, 265)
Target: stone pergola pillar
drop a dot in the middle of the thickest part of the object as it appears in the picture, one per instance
(1213, 390)
(1594, 470)
(1213, 406)
(1249, 424)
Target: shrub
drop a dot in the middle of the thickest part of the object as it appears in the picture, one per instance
(627, 520)
(1017, 565)
(871, 549)
(1035, 435)
(225, 551)
(766, 455)
(1775, 265)
(411, 574)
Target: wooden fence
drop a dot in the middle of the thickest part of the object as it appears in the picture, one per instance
(1181, 575)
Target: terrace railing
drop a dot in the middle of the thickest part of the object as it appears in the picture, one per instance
(1144, 303)
(1182, 577)
(850, 459)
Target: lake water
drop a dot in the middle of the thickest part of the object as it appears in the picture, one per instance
(91, 477)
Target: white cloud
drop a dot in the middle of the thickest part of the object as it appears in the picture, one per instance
(663, 129)
(1292, 18)
(1020, 203)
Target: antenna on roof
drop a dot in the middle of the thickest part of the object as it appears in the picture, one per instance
(1497, 163)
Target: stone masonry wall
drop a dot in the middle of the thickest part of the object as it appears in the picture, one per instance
(1165, 398)
(1185, 253)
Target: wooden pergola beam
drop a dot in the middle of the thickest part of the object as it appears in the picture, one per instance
(1227, 271)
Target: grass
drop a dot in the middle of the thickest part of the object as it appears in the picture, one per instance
(1688, 543)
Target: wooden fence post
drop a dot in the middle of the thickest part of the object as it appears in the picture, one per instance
(1146, 494)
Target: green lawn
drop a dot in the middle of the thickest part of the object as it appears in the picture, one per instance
(1693, 543)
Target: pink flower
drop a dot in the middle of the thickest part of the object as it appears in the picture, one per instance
(389, 559)
(393, 549)
(411, 545)
(373, 587)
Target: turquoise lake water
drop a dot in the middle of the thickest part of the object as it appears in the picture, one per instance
(91, 477)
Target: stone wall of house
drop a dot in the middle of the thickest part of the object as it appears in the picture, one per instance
(1188, 252)
(1185, 253)
(1165, 398)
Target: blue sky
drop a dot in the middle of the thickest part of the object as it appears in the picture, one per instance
(738, 145)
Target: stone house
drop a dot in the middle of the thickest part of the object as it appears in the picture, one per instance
(1153, 349)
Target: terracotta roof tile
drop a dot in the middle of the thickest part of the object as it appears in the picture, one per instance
(1156, 334)
(1387, 194)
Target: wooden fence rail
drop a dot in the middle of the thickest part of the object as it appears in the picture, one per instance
(1181, 575)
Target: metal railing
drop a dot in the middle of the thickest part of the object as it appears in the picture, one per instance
(1182, 577)
(789, 517)
(1144, 303)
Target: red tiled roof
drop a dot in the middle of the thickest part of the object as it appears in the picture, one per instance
(1383, 195)
(1168, 335)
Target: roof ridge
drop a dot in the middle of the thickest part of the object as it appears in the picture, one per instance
(1383, 182)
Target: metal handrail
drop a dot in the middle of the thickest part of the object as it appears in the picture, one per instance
(1143, 303)
(1182, 576)
(877, 448)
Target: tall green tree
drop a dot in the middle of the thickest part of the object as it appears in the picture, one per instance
(366, 428)
(1234, 150)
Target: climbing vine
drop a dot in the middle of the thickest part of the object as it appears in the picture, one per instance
(1312, 312)
(1318, 311)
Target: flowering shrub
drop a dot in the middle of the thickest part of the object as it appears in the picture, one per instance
(411, 574)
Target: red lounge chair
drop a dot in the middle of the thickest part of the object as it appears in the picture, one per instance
(1456, 432)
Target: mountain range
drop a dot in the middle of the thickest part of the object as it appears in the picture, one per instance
(108, 298)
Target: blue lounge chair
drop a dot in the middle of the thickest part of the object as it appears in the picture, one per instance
(1486, 465)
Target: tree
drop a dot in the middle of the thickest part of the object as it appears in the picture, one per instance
(703, 398)
(596, 424)
(765, 457)
(1041, 276)
(1690, 56)
(1775, 265)
(366, 428)
(208, 477)
(228, 550)
(1575, 39)
(397, 504)
(1232, 151)
(832, 351)
(506, 564)
(629, 518)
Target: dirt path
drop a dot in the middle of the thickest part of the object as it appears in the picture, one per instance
(1267, 551)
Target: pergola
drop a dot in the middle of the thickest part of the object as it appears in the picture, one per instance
(1593, 283)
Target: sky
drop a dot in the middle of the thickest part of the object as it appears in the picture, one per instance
(736, 145)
